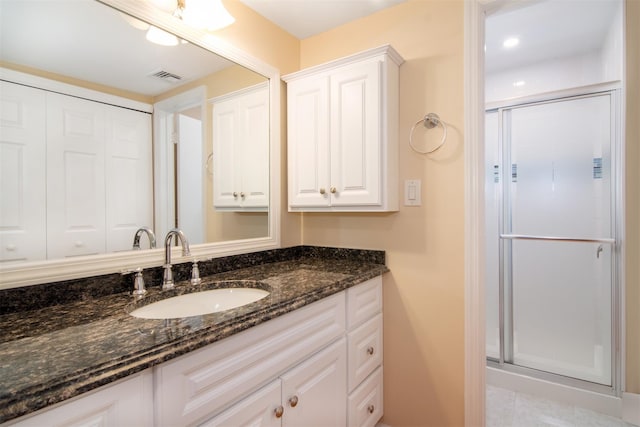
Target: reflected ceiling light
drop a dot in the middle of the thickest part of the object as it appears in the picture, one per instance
(519, 83)
(158, 36)
(135, 22)
(204, 14)
(511, 42)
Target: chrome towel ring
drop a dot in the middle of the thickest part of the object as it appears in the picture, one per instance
(430, 121)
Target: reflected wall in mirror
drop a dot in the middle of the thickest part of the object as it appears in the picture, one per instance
(83, 194)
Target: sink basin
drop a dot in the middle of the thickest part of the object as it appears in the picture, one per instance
(199, 303)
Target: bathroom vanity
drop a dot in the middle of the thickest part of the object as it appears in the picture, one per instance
(309, 351)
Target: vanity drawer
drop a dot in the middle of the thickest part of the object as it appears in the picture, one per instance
(366, 402)
(364, 301)
(364, 351)
(200, 384)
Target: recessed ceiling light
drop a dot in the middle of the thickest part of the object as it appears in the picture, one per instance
(511, 42)
(518, 83)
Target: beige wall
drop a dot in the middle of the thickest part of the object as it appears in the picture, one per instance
(633, 198)
(424, 293)
(77, 82)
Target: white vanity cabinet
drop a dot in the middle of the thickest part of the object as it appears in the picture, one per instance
(319, 365)
(365, 351)
(241, 150)
(123, 403)
(342, 134)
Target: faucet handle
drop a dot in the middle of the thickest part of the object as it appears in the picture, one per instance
(195, 273)
(138, 284)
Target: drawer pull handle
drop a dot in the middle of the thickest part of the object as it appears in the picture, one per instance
(279, 411)
(293, 402)
(371, 408)
(370, 351)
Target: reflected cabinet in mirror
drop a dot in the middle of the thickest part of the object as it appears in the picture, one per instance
(109, 132)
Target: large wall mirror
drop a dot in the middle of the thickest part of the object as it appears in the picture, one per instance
(132, 131)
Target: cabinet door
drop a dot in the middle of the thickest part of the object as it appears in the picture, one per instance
(22, 173)
(226, 151)
(75, 177)
(356, 165)
(126, 403)
(129, 180)
(257, 410)
(308, 148)
(314, 392)
(254, 159)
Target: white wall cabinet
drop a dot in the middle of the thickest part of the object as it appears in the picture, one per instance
(241, 150)
(342, 134)
(78, 174)
(320, 365)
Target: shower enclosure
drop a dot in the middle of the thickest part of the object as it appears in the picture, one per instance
(551, 203)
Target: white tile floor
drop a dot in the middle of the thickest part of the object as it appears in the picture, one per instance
(506, 408)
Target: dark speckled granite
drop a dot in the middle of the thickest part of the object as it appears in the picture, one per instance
(60, 340)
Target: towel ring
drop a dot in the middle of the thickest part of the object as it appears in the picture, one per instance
(430, 121)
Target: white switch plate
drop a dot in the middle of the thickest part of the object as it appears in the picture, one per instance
(412, 193)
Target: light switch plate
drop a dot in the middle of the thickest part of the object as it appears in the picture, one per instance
(412, 192)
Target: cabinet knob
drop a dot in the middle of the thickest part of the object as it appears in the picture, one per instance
(370, 351)
(279, 411)
(235, 194)
(241, 194)
(333, 190)
(293, 402)
(371, 408)
(322, 191)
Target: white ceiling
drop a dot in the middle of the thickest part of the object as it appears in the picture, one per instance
(305, 18)
(547, 30)
(69, 36)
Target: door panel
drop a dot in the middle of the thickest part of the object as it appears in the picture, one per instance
(559, 195)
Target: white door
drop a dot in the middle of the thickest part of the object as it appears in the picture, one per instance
(315, 392)
(256, 410)
(308, 147)
(254, 158)
(226, 150)
(190, 179)
(355, 135)
(75, 177)
(129, 176)
(22, 173)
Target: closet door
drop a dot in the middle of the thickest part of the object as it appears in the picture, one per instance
(22, 173)
(129, 178)
(75, 177)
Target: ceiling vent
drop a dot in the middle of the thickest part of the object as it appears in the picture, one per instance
(166, 76)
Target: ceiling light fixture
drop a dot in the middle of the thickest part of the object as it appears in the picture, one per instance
(204, 14)
(161, 37)
(511, 42)
(519, 83)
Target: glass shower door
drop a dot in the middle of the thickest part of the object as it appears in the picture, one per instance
(558, 236)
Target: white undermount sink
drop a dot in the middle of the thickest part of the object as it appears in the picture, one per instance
(199, 303)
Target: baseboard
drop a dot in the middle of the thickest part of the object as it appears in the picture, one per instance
(602, 403)
(631, 408)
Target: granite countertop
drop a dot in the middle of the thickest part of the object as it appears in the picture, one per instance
(59, 351)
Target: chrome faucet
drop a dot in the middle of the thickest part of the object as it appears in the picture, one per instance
(167, 279)
(150, 234)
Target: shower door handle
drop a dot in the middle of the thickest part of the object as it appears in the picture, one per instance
(599, 251)
(557, 239)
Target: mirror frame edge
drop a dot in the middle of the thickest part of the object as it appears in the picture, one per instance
(39, 272)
